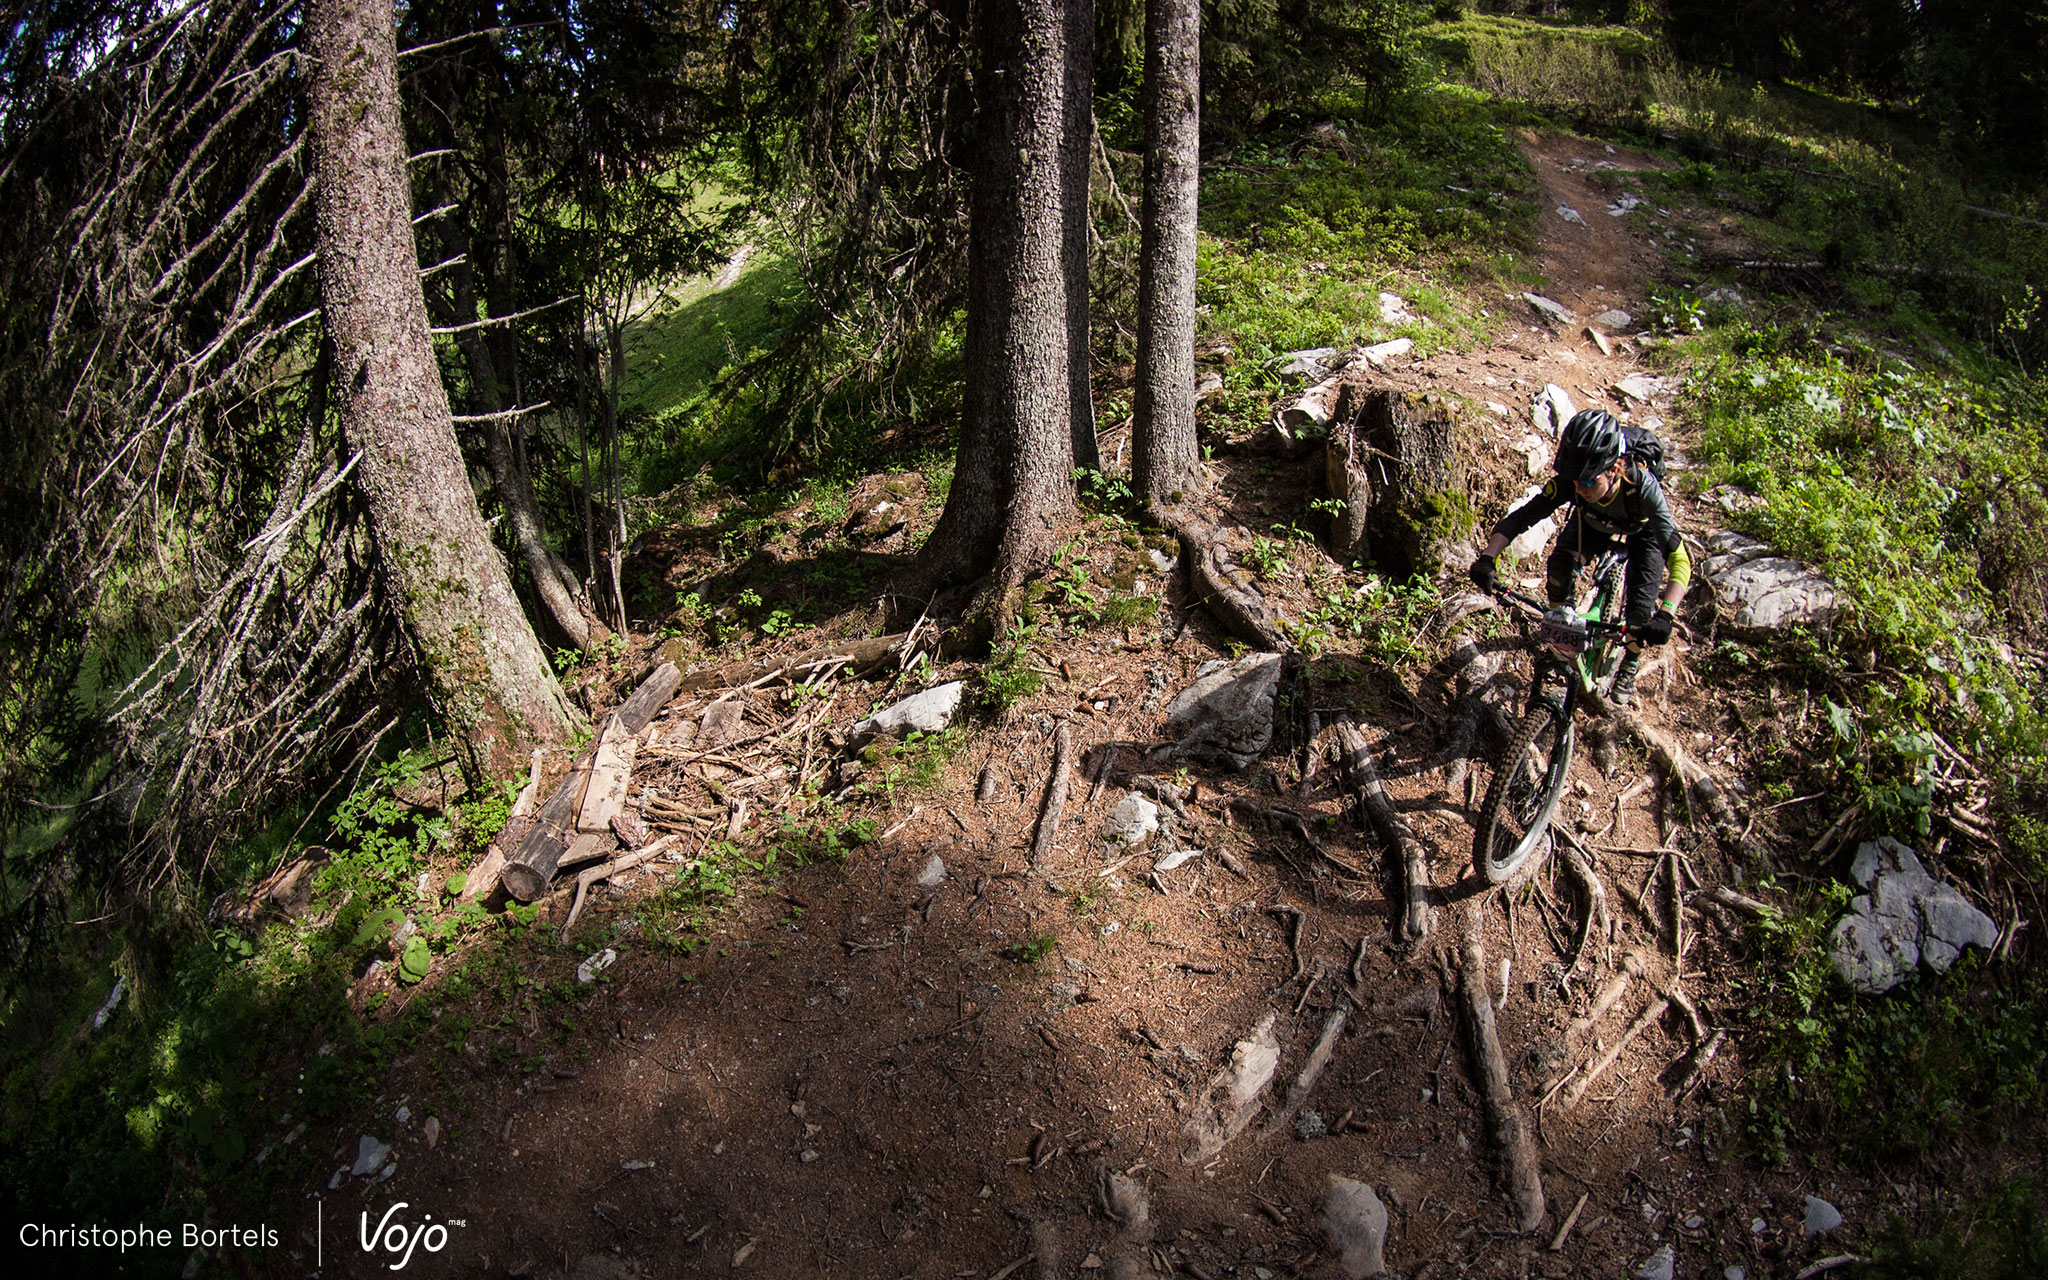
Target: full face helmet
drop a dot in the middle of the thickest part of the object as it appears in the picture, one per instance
(1592, 441)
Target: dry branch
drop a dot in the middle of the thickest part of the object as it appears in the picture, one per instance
(587, 878)
(1521, 1171)
(1641, 1024)
(1312, 1069)
(859, 657)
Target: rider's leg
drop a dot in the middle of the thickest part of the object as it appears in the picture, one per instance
(1643, 580)
(1561, 574)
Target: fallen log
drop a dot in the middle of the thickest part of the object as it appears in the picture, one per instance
(530, 867)
(1355, 759)
(1520, 1169)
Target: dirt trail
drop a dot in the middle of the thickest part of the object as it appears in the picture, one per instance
(862, 1074)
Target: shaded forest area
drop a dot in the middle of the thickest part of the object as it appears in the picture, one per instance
(391, 392)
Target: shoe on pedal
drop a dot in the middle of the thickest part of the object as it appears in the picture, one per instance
(1622, 690)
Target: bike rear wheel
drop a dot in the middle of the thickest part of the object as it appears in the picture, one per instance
(1515, 820)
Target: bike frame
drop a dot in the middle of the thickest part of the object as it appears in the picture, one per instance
(1582, 672)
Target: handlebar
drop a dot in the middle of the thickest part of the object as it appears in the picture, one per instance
(1541, 607)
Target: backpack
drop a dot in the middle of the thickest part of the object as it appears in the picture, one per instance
(1646, 449)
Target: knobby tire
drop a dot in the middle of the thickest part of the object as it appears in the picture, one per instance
(1500, 855)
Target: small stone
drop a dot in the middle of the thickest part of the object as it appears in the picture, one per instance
(370, 1156)
(1614, 320)
(934, 872)
(1694, 1222)
(634, 1166)
(1093, 1262)
(1310, 1124)
(1756, 1226)
(586, 973)
(431, 1130)
(1570, 214)
(809, 1156)
(1134, 821)
(1735, 1273)
(1354, 1221)
(927, 712)
(384, 1175)
(1661, 1265)
(1394, 309)
(403, 1115)
(1549, 308)
(1379, 354)
(334, 1183)
(1496, 408)
(1821, 1217)
(1178, 857)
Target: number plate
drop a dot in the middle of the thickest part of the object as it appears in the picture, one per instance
(1564, 631)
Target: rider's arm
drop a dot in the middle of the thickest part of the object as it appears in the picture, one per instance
(1518, 521)
(1659, 526)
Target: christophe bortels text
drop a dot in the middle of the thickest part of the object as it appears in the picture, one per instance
(36, 1235)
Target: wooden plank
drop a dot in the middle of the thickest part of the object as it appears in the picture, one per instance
(604, 795)
(530, 868)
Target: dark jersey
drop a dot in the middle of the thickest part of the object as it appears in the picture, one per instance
(1636, 509)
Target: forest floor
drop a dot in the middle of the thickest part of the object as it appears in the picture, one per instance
(918, 1061)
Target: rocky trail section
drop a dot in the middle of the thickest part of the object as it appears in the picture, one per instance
(1179, 969)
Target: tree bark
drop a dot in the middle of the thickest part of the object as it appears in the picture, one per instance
(476, 654)
(1076, 167)
(1013, 478)
(1418, 513)
(1166, 467)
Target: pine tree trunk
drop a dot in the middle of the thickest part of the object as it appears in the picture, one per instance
(477, 656)
(1013, 480)
(1166, 467)
(1076, 167)
(489, 394)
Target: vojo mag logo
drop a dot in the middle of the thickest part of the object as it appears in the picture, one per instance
(395, 1237)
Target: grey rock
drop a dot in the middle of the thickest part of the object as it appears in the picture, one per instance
(1570, 214)
(431, 1130)
(1134, 821)
(1550, 309)
(1177, 858)
(1394, 309)
(403, 1115)
(1735, 1273)
(1661, 1265)
(1306, 365)
(1770, 593)
(926, 712)
(1732, 498)
(1354, 1221)
(1642, 388)
(370, 1156)
(1629, 200)
(1908, 918)
(1551, 409)
(933, 874)
(1379, 354)
(1730, 550)
(1208, 383)
(1615, 319)
(1160, 560)
(1821, 1217)
(586, 973)
(1310, 1124)
(1227, 713)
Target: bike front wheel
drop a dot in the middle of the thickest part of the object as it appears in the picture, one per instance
(1515, 819)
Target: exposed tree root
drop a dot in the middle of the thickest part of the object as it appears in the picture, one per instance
(1055, 796)
(1393, 829)
(1521, 1171)
(1311, 1070)
(1221, 586)
(1688, 772)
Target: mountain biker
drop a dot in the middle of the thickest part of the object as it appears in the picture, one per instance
(1614, 498)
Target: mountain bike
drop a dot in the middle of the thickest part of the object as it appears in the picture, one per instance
(1577, 651)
